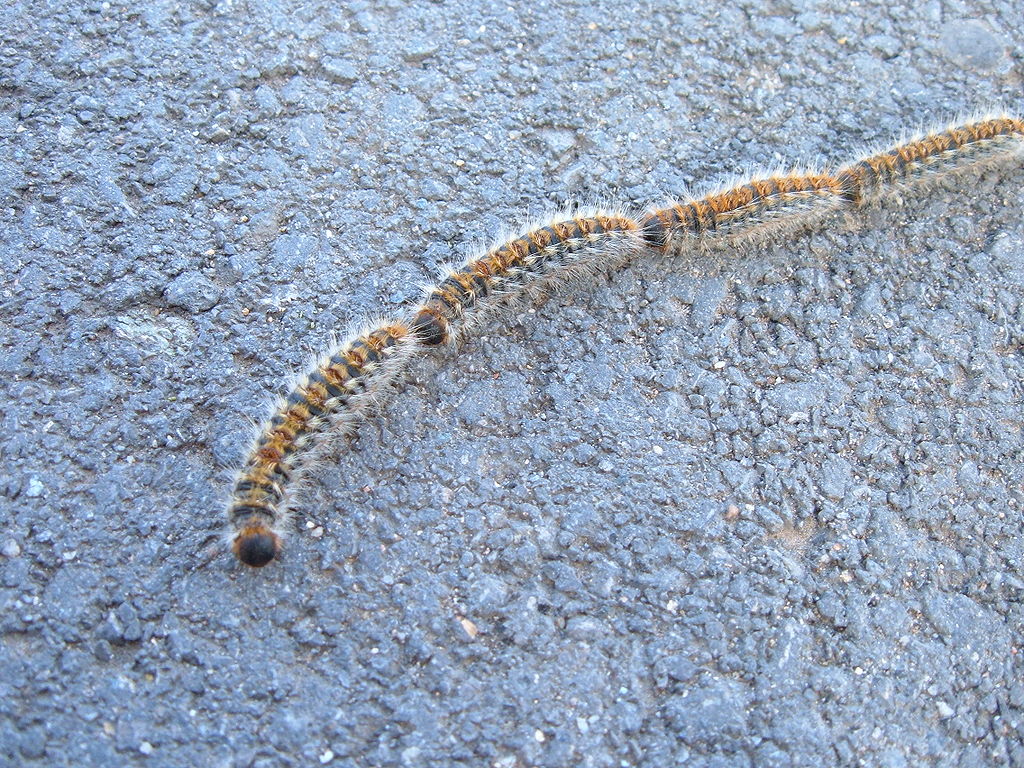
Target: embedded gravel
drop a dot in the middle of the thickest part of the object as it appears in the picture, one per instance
(746, 509)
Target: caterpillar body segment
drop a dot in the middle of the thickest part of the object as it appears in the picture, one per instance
(544, 254)
(752, 209)
(329, 399)
(930, 156)
(344, 384)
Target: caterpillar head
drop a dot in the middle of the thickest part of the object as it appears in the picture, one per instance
(256, 545)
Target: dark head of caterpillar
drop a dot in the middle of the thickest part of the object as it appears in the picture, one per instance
(257, 545)
(430, 326)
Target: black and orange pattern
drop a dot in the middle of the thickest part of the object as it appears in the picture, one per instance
(338, 389)
(539, 252)
(747, 210)
(931, 155)
(344, 384)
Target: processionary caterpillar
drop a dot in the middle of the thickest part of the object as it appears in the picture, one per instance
(344, 384)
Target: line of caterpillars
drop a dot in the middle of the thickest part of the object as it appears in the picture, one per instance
(345, 383)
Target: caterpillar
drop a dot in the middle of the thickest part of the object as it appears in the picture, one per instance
(334, 396)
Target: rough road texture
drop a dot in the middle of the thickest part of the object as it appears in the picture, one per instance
(762, 508)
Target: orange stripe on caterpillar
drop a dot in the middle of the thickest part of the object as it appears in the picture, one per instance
(753, 208)
(330, 398)
(541, 253)
(931, 155)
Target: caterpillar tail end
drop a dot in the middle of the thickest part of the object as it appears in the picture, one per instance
(256, 545)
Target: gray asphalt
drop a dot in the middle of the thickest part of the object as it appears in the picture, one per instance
(758, 508)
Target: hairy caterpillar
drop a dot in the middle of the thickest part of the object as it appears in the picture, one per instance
(344, 384)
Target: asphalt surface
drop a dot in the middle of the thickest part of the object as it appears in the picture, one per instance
(758, 508)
